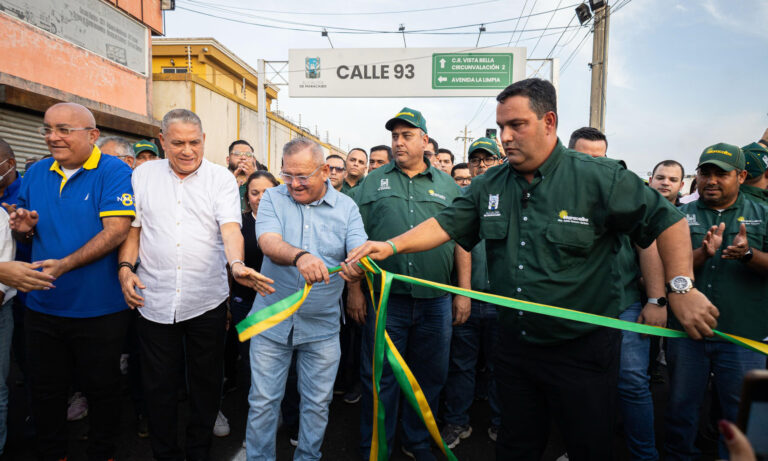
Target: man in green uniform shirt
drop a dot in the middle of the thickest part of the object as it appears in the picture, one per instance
(393, 199)
(551, 220)
(356, 162)
(756, 164)
(730, 236)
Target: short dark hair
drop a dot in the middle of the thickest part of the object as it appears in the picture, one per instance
(541, 95)
(383, 147)
(446, 151)
(239, 141)
(6, 151)
(458, 166)
(262, 174)
(669, 163)
(434, 143)
(334, 156)
(361, 150)
(588, 133)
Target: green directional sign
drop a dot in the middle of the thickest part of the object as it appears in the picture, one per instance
(466, 71)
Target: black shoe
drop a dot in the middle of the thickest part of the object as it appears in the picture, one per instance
(142, 427)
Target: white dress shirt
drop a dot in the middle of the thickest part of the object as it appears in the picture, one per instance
(7, 251)
(181, 252)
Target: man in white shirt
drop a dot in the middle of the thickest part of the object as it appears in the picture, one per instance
(7, 252)
(186, 231)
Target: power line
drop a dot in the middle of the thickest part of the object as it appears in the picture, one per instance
(547, 27)
(359, 13)
(319, 27)
(526, 20)
(517, 23)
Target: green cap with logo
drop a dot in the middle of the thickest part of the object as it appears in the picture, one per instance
(756, 159)
(486, 144)
(145, 145)
(410, 116)
(726, 156)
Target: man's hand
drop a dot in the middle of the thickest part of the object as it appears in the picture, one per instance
(54, 267)
(129, 282)
(462, 307)
(24, 276)
(694, 311)
(356, 308)
(653, 314)
(21, 220)
(739, 247)
(351, 272)
(248, 167)
(374, 250)
(713, 239)
(250, 278)
(312, 269)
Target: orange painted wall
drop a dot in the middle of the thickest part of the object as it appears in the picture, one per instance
(146, 11)
(37, 56)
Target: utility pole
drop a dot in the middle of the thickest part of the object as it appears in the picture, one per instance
(466, 138)
(599, 68)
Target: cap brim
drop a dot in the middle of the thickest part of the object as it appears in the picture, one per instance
(497, 155)
(391, 123)
(718, 163)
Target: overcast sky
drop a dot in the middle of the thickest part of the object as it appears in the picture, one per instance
(682, 75)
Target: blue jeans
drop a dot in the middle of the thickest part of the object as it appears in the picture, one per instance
(421, 331)
(634, 390)
(6, 336)
(690, 363)
(316, 364)
(481, 329)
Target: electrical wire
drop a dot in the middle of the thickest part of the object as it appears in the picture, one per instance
(547, 27)
(517, 23)
(526, 20)
(359, 13)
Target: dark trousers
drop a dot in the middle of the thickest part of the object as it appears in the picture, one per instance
(200, 341)
(59, 348)
(573, 384)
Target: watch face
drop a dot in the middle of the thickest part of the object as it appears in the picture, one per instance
(679, 283)
(662, 302)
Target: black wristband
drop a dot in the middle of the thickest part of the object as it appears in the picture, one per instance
(763, 142)
(299, 255)
(126, 264)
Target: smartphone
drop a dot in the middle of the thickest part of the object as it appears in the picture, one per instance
(490, 133)
(753, 411)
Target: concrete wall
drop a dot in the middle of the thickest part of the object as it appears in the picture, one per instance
(249, 129)
(171, 95)
(220, 122)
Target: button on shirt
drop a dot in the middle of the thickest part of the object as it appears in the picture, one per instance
(565, 236)
(392, 203)
(328, 228)
(738, 292)
(71, 209)
(183, 264)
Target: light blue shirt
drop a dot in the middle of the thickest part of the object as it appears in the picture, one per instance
(328, 228)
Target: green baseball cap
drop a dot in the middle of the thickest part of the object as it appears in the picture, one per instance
(409, 116)
(486, 144)
(726, 156)
(756, 159)
(145, 145)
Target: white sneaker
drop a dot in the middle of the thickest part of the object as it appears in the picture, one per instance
(221, 427)
(563, 457)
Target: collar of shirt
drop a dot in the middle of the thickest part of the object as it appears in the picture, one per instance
(330, 196)
(549, 164)
(91, 164)
(12, 191)
(197, 172)
(737, 204)
(392, 166)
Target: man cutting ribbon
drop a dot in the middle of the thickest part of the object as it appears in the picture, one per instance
(551, 220)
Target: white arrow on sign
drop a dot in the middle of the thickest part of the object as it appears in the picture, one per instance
(442, 63)
(442, 79)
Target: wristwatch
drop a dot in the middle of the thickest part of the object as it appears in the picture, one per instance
(661, 302)
(747, 256)
(680, 284)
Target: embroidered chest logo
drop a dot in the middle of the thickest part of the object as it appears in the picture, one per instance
(384, 184)
(493, 206)
(565, 218)
(435, 194)
(691, 218)
(749, 222)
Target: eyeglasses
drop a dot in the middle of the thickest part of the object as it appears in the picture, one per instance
(339, 169)
(475, 161)
(429, 154)
(459, 179)
(241, 154)
(303, 180)
(61, 131)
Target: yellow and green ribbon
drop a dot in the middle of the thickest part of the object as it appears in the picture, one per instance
(383, 345)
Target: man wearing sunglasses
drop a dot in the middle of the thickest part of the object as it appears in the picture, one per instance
(337, 171)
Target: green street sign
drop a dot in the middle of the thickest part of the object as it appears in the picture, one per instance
(466, 71)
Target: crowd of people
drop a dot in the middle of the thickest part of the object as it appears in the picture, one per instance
(143, 257)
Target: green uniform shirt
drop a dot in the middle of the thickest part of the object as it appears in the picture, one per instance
(555, 241)
(346, 189)
(392, 203)
(739, 292)
(480, 280)
(755, 193)
(243, 188)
